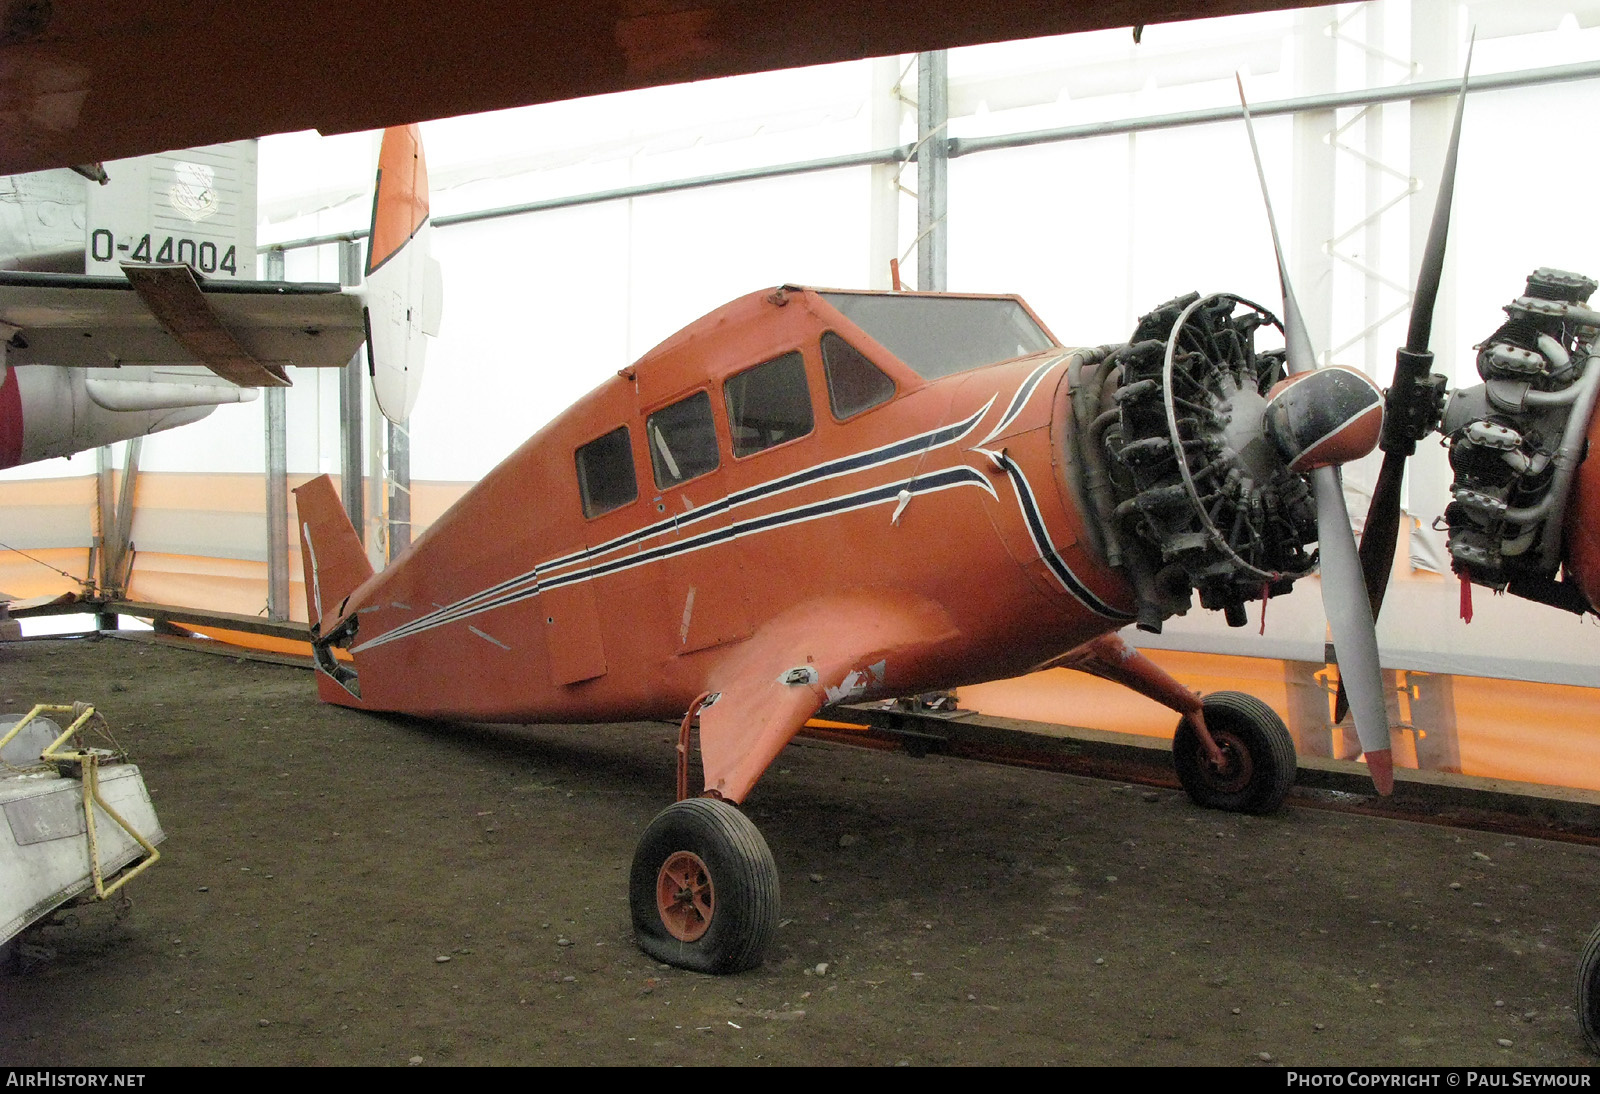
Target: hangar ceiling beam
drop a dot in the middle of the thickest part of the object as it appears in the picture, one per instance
(77, 84)
(966, 146)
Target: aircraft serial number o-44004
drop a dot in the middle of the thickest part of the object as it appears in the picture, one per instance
(203, 255)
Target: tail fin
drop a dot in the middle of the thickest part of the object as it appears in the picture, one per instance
(402, 295)
(335, 562)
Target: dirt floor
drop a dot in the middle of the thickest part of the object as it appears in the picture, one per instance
(341, 888)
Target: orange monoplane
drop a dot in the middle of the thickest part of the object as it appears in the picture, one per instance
(816, 496)
(810, 497)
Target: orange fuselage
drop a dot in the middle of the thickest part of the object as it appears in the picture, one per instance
(949, 503)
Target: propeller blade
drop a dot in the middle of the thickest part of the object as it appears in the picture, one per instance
(1301, 358)
(1379, 537)
(1438, 229)
(1380, 534)
(1355, 639)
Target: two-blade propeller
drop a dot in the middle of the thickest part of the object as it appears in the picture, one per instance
(1354, 582)
(1409, 409)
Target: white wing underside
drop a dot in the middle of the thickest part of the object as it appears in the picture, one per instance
(75, 324)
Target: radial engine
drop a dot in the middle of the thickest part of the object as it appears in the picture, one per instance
(1516, 441)
(1197, 446)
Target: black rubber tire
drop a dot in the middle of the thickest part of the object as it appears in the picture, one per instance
(1260, 753)
(1589, 993)
(744, 915)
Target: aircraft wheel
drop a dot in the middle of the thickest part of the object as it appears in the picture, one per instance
(1589, 992)
(704, 889)
(1259, 753)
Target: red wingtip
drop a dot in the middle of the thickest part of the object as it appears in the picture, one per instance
(1380, 765)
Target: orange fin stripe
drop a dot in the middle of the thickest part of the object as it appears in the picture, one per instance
(399, 196)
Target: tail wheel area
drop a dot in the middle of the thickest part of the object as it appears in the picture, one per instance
(1589, 992)
(704, 889)
(1258, 756)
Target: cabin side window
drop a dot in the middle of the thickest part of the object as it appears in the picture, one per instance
(683, 442)
(605, 473)
(854, 383)
(768, 404)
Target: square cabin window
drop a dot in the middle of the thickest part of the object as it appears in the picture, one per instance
(605, 473)
(683, 442)
(854, 383)
(768, 404)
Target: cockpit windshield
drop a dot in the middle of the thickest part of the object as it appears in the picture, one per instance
(943, 335)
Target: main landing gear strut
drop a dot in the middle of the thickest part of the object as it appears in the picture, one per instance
(1231, 751)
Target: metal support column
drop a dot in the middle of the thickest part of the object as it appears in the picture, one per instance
(399, 485)
(106, 522)
(1311, 221)
(1435, 38)
(933, 168)
(122, 559)
(113, 559)
(883, 216)
(277, 483)
(376, 534)
(350, 405)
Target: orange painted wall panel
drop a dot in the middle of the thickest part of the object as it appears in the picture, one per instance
(1508, 729)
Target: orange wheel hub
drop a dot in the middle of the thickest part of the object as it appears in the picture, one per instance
(684, 896)
(1238, 768)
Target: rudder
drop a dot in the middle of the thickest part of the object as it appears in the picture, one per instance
(335, 562)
